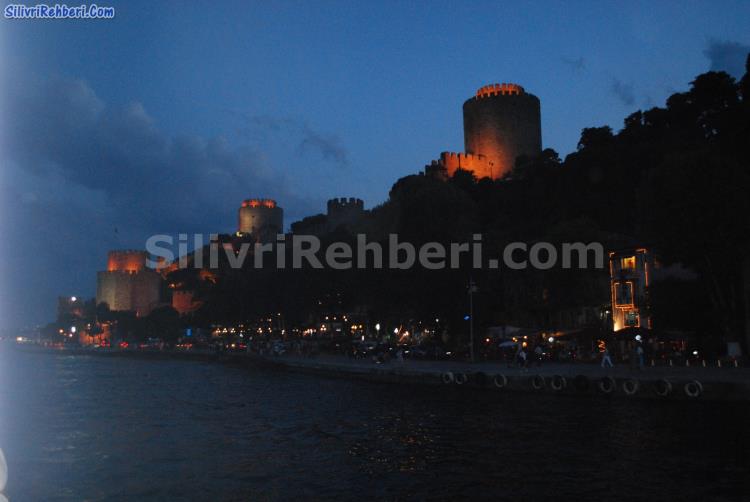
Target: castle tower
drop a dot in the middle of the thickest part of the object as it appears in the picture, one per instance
(127, 284)
(501, 122)
(344, 212)
(262, 218)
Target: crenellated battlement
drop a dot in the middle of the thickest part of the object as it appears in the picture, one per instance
(453, 161)
(126, 260)
(503, 89)
(345, 203)
(344, 211)
(269, 203)
(451, 157)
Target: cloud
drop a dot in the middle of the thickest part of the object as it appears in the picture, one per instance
(624, 92)
(154, 180)
(577, 65)
(727, 56)
(328, 146)
(307, 139)
(75, 168)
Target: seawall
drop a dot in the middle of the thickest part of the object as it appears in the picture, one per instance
(665, 383)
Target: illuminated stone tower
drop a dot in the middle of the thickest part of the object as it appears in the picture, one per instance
(127, 284)
(501, 122)
(261, 218)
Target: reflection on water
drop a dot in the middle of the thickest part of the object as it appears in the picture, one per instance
(82, 427)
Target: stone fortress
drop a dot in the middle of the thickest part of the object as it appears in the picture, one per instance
(501, 123)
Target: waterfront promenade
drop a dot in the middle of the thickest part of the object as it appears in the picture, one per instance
(661, 381)
(547, 369)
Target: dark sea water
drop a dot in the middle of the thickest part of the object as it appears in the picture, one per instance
(97, 428)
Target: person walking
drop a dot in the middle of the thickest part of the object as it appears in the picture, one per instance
(606, 359)
(639, 353)
(522, 358)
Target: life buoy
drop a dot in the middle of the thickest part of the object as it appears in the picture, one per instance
(460, 378)
(607, 385)
(537, 382)
(693, 388)
(581, 383)
(447, 377)
(630, 386)
(558, 383)
(663, 387)
(500, 381)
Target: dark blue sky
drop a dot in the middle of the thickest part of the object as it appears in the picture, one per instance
(164, 118)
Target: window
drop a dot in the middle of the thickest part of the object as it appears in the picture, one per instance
(627, 263)
(623, 294)
(631, 319)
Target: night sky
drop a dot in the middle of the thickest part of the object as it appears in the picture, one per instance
(163, 119)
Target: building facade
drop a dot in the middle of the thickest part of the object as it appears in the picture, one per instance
(630, 275)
